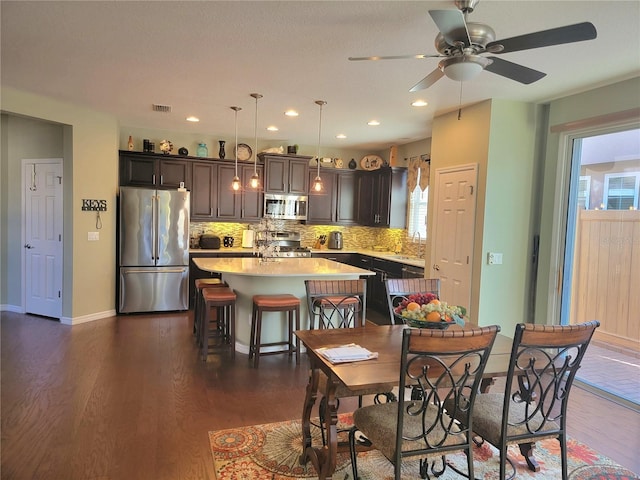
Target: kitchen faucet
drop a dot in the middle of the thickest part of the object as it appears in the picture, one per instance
(413, 237)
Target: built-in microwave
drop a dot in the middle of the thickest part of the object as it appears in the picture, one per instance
(285, 207)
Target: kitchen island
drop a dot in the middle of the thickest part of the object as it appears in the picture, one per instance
(249, 277)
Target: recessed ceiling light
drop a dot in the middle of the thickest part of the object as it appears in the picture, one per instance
(341, 135)
(373, 123)
(419, 103)
(291, 113)
(272, 128)
(193, 119)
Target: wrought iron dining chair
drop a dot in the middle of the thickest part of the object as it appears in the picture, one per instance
(340, 304)
(543, 364)
(398, 289)
(447, 365)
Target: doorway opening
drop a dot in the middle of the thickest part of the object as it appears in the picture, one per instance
(601, 271)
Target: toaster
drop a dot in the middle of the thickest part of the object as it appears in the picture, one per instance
(209, 241)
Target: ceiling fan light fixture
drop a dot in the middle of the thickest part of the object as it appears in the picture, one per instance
(464, 67)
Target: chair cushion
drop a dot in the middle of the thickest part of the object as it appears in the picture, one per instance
(379, 424)
(274, 301)
(218, 294)
(487, 419)
(209, 282)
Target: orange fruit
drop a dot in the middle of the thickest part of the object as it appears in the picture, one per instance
(435, 301)
(433, 317)
(412, 306)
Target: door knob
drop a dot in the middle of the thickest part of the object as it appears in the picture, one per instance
(26, 245)
(436, 267)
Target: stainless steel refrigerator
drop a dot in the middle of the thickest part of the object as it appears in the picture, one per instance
(153, 250)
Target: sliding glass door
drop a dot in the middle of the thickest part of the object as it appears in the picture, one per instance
(601, 272)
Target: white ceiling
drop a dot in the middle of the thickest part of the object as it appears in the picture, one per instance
(203, 57)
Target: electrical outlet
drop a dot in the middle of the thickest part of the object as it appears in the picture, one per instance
(494, 258)
(93, 236)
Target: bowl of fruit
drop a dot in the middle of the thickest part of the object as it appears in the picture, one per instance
(425, 310)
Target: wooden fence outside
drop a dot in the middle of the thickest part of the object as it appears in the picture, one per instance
(606, 275)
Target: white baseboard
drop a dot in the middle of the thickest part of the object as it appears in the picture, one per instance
(11, 308)
(87, 318)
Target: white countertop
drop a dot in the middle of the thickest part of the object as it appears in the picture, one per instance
(283, 267)
(399, 258)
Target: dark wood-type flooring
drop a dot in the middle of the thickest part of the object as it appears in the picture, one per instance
(127, 398)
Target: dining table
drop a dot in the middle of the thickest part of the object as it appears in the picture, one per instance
(361, 376)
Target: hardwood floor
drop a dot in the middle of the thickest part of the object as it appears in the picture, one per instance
(128, 398)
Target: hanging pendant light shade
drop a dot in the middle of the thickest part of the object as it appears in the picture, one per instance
(255, 180)
(317, 182)
(235, 183)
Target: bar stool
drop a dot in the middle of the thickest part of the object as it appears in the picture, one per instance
(199, 284)
(273, 303)
(223, 326)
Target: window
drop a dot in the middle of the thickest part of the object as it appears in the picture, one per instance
(621, 191)
(584, 188)
(418, 212)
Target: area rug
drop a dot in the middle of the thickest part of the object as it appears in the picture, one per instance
(272, 452)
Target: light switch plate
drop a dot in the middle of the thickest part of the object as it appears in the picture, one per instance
(494, 258)
(93, 236)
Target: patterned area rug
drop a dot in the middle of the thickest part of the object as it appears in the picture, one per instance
(272, 451)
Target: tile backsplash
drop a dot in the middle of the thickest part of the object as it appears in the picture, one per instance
(356, 237)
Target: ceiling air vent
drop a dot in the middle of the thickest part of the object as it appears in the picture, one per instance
(161, 108)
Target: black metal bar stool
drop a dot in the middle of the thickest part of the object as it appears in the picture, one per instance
(222, 302)
(199, 284)
(274, 303)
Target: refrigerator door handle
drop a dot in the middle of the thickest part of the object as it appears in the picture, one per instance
(154, 227)
(147, 270)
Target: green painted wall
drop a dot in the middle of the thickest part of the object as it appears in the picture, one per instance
(89, 141)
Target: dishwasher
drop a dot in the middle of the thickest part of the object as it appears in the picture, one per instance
(412, 272)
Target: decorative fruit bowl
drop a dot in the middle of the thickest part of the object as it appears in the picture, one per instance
(425, 310)
(440, 325)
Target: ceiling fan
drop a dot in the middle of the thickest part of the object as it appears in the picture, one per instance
(462, 44)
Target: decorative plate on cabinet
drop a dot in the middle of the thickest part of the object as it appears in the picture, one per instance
(371, 162)
(244, 152)
(166, 146)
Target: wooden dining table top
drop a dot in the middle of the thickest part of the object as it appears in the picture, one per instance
(386, 341)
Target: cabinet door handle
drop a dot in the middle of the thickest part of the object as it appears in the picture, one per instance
(161, 179)
(153, 178)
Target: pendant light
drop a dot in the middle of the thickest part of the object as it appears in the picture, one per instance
(255, 180)
(235, 183)
(317, 182)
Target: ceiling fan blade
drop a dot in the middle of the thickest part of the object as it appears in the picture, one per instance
(394, 57)
(514, 71)
(452, 26)
(545, 38)
(427, 81)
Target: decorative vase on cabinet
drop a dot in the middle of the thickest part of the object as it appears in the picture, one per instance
(202, 151)
(221, 152)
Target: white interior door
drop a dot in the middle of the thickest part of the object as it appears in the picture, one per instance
(43, 237)
(453, 227)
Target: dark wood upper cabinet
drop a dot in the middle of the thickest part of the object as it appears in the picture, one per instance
(203, 189)
(382, 197)
(140, 169)
(208, 180)
(336, 204)
(286, 173)
(252, 201)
